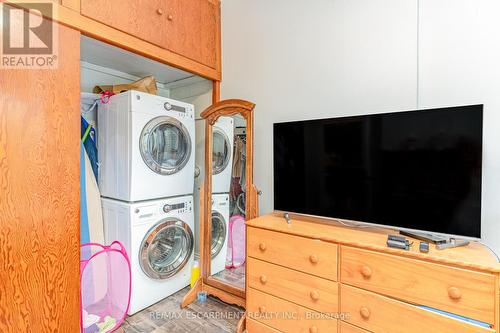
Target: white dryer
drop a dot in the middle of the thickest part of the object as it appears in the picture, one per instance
(222, 152)
(220, 232)
(158, 237)
(146, 147)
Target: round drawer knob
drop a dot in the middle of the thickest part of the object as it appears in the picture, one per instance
(262, 246)
(313, 259)
(364, 312)
(366, 272)
(262, 309)
(263, 279)
(314, 295)
(160, 11)
(454, 293)
(313, 329)
(170, 18)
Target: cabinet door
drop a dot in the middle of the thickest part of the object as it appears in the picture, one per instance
(192, 29)
(210, 43)
(39, 194)
(143, 19)
(186, 27)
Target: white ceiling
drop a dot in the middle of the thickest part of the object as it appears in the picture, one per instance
(105, 55)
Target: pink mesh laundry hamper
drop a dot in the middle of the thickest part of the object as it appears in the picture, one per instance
(236, 243)
(105, 287)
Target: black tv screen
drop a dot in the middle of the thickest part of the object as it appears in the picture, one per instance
(415, 169)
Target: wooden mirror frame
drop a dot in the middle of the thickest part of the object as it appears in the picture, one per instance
(215, 287)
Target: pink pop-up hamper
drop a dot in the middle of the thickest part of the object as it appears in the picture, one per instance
(105, 287)
(236, 243)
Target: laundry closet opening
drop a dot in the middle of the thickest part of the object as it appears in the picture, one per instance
(138, 175)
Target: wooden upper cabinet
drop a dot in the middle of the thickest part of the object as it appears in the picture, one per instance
(192, 31)
(187, 27)
(142, 19)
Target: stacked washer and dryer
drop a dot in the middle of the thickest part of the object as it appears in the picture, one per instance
(222, 165)
(146, 153)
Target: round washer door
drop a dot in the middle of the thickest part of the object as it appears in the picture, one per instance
(165, 145)
(218, 233)
(166, 248)
(221, 151)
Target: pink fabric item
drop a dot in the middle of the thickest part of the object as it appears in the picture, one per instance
(236, 243)
(105, 282)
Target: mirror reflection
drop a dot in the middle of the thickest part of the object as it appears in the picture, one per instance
(228, 201)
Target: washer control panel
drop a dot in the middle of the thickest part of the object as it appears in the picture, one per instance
(179, 207)
(146, 101)
(183, 111)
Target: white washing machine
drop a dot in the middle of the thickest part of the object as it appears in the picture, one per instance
(146, 147)
(220, 232)
(158, 237)
(199, 153)
(222, 154)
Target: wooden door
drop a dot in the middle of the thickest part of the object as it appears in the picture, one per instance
(39, 194)
(143, 19)
(191, 29)
(210, 18)
(186, 27)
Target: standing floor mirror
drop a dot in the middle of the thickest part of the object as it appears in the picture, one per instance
(228, 199)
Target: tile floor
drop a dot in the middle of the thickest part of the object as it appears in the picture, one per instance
(213, 316)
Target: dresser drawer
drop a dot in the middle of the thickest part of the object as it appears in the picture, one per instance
(286, 316)
(381, 314)
(253, 326)
(310, 291)
(467, 293)
(348, 328)
(299, 253)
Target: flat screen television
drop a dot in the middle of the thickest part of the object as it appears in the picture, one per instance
(418, 170)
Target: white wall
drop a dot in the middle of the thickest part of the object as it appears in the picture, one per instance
(312, 59)
(93, 75)
(325, 58)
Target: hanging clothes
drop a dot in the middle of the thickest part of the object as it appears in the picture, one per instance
(239, 157)
(238, 174)
(243, 171)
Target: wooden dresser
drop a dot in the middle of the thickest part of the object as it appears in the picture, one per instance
(311, 277)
